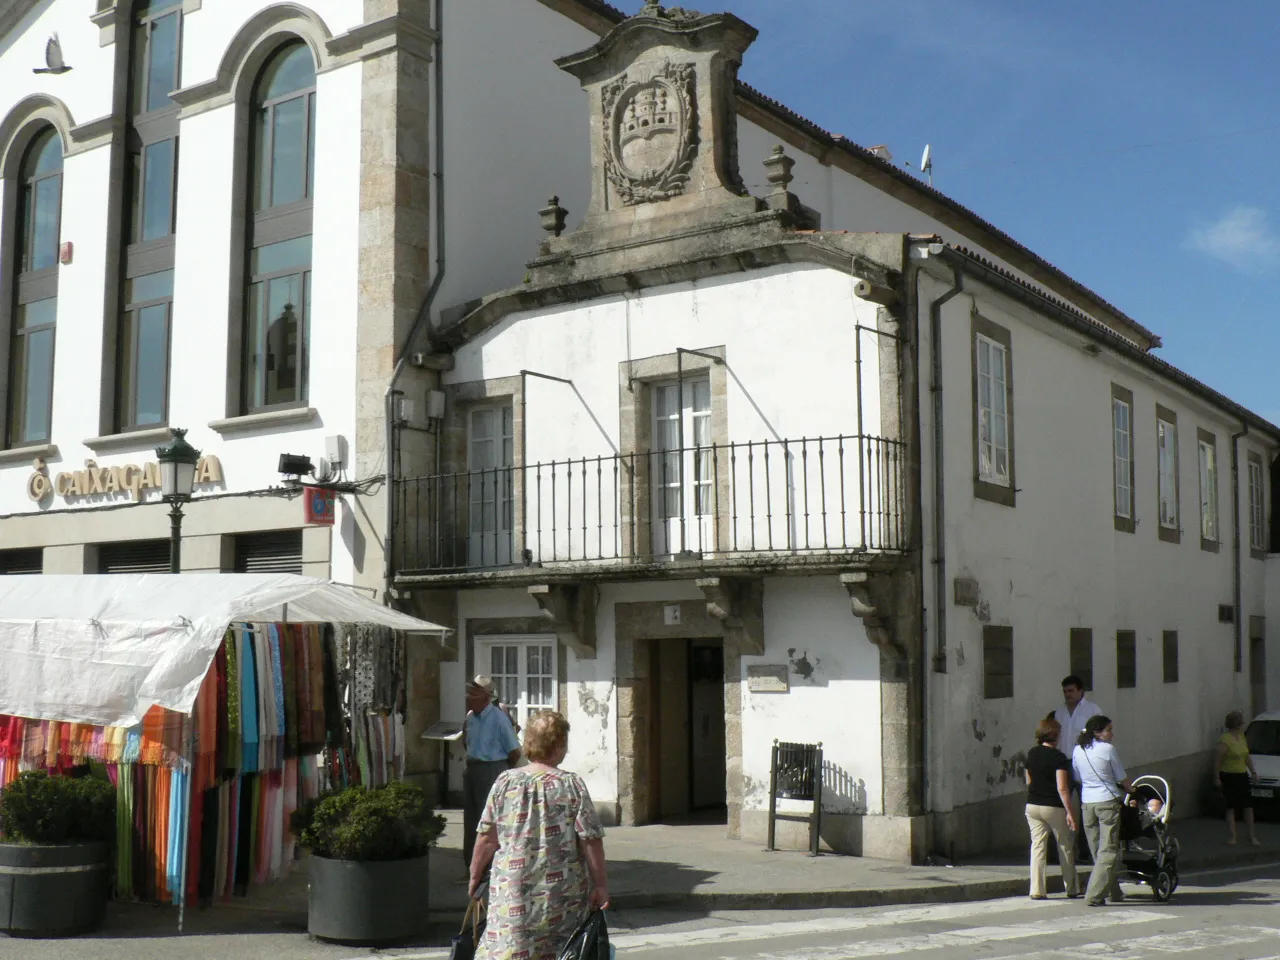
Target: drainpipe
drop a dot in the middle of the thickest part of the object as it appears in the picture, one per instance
(939, 475)
(424, 312)
(1235, 544)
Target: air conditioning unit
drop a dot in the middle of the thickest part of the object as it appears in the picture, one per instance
(1226, 613)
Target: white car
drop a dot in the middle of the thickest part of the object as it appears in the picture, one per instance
(1263, 734)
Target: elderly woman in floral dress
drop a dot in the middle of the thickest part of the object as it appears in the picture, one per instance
(544, 837)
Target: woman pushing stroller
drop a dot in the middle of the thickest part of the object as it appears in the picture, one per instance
(1104, 784)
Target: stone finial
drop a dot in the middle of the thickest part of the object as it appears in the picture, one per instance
(553, 217)
(778, 170)
(653, 8)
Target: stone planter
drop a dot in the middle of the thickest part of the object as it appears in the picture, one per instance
(356, 903)
(52, 891)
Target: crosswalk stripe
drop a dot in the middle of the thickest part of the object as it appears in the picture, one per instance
(822, 925)
(969, 937)
(1144, 948)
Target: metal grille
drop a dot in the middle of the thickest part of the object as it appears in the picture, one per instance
(134, 556)
(22, 561)
(279, 551)
(804, 497)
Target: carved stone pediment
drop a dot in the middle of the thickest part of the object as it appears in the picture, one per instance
(650, 131)
(663, 89)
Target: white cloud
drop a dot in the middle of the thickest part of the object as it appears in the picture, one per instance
(1241, 237)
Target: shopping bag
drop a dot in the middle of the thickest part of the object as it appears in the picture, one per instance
(590, 941)
(465, 943)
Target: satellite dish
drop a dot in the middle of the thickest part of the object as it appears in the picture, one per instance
(926, 162)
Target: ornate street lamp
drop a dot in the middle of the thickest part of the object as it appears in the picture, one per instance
(178, 461)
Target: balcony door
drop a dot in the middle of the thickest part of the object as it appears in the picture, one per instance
(681, 469)
(490, 487)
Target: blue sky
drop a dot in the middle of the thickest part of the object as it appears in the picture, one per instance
(1136, 145)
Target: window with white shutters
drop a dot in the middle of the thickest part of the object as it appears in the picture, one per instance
(523, 672)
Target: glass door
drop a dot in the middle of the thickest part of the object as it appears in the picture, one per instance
(682, 469)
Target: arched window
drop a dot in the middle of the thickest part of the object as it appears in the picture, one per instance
(278, 301)
(30, 399)
(142, 342)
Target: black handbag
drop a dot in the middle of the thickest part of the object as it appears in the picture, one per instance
(465, 943)
(590, 941)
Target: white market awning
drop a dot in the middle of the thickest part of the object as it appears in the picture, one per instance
(104, 649)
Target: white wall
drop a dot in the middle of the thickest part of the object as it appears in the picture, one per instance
(81, 88)
(203, 259)
(515, 133)
(1056, 562)
(834, 697)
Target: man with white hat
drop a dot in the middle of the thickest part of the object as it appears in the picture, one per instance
(492, 747)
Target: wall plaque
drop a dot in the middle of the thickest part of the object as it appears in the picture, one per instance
(768, 678)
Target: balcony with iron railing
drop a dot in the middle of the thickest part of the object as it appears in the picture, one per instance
(807, 501)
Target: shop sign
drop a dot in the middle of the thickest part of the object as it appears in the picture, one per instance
(319, 506)
(93, 480)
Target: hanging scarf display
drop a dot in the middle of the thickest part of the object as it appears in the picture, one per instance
(203, 801)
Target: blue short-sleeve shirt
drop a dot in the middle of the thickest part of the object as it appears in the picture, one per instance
(490, 735)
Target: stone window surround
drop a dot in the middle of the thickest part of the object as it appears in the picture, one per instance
(460, 400)
(983, 489)
(1169, 534)
(1214, 545)
(1127, 524)
(635, 421)
(1255, 458)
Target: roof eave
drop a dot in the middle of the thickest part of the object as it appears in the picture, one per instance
(1081, 323)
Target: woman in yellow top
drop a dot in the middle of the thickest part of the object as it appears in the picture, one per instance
(1232, 770)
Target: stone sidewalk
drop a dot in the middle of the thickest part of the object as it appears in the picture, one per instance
(695, 870)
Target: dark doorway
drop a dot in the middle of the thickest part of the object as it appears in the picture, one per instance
(686, 757)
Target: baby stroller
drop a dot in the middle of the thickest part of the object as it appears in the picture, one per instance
(1149, 848)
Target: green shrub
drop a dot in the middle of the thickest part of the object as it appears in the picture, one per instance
(394, 822)
(38, 808)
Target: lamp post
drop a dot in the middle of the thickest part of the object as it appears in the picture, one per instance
(178, 461)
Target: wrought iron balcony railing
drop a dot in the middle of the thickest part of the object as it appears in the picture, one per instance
(799, 497)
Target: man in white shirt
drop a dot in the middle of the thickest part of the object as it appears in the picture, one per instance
(1073, 715)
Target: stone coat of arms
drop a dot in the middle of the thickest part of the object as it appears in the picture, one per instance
(651, 132)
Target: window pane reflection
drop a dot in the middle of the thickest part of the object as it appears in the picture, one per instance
(152, 362)
(288, 147)
(163, 75)
(44, 224)
(36, 378)
(157, 189)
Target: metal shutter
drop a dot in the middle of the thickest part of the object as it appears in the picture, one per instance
(279, 551)
(22, 561)
(134, 556)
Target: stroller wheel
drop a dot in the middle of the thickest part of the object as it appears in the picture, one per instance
(1163, 884)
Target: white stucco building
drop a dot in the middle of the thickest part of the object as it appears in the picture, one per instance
(712, 477)
(700, 477)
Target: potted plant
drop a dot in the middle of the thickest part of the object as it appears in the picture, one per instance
(55, 835)
(368, 869)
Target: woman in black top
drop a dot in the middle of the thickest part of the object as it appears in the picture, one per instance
(1049, 809)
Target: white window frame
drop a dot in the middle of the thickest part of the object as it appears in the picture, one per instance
(1257, 510)
(988, 448)
(1122, 447)
(1167, 472)
(514, 688)
(1208, 462)
(504, 441)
